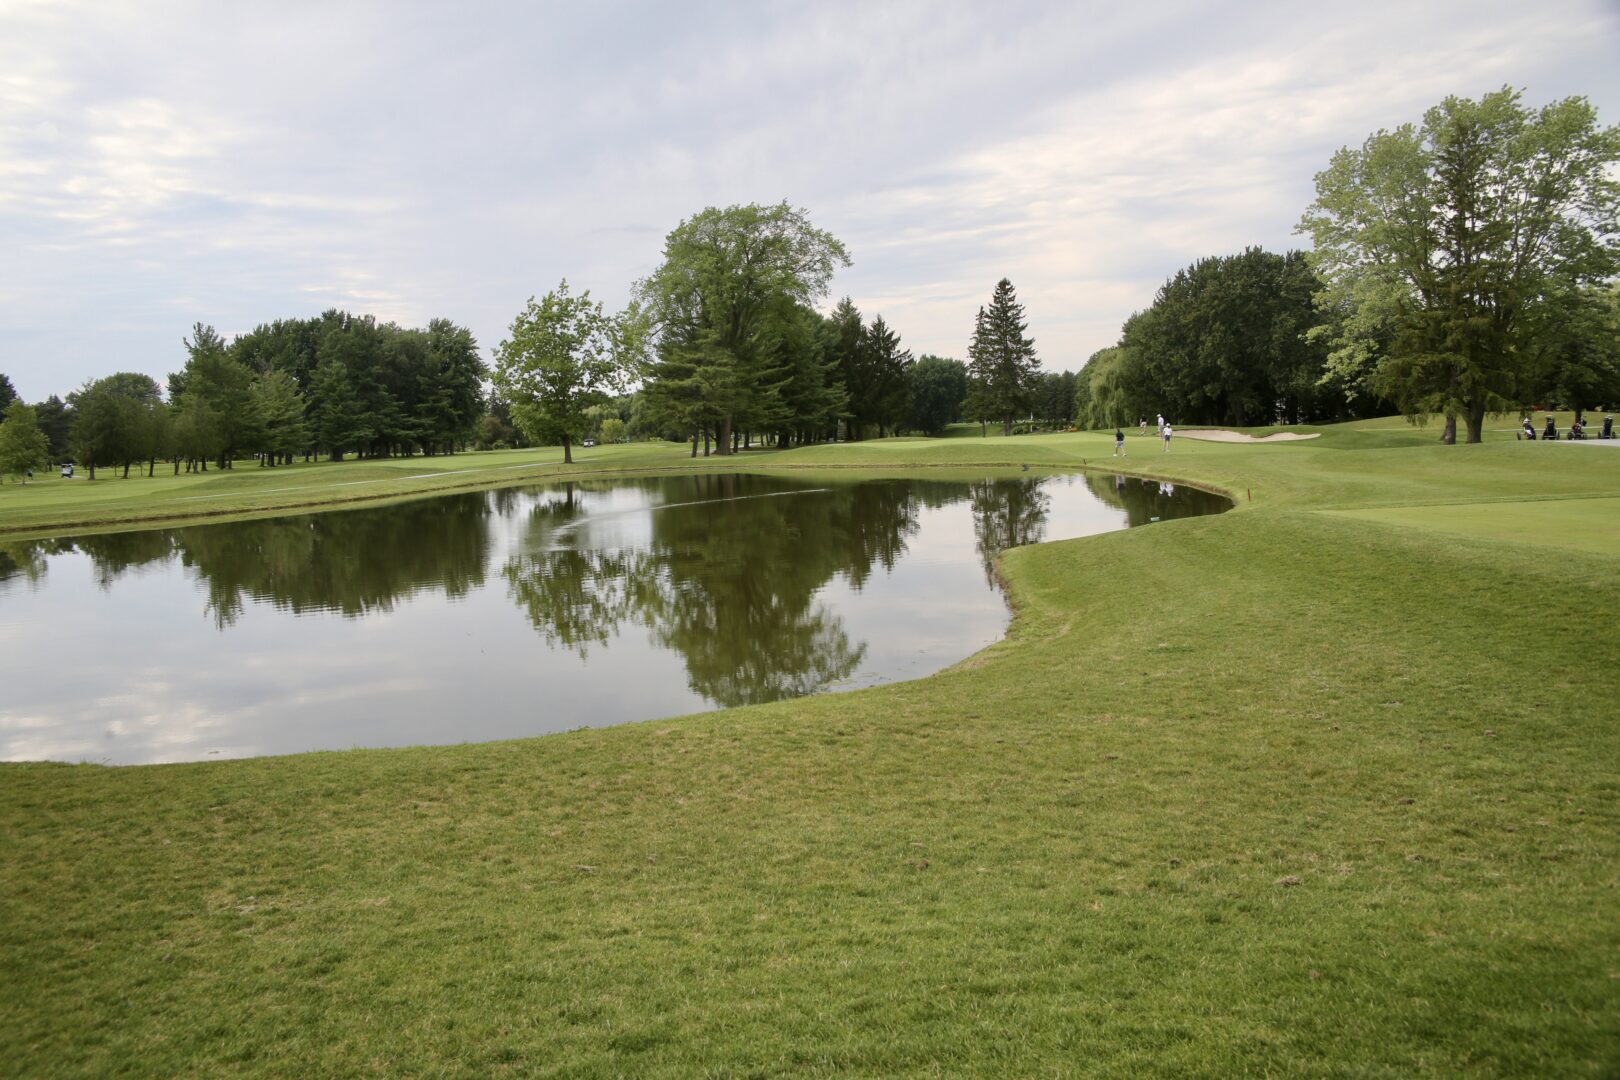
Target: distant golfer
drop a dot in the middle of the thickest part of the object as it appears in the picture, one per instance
(1141, 422)
(1165, 432)
(1119, 442)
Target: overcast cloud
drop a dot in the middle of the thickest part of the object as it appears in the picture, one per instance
(164, 163)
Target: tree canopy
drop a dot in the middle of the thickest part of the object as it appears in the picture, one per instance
(564, 355)
(938, 387)
(726, 274)
(22, 445)
(1447, 241)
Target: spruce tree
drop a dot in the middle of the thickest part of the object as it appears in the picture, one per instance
(1002, 360)
(889, 393)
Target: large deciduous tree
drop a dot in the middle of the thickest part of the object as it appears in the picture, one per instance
(1224, 343)
(117, 421)
(1447, 237)
(938, 387)
(724, 272)
(564, 355)
(1578, 350)
(22, 445)
(1002, 360)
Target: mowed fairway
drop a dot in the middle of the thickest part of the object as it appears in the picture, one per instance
(1583, 524)
(1283, 791)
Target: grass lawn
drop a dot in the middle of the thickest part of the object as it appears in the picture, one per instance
(1295, 790)
(51, 505)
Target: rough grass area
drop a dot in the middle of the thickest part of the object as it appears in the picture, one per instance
(1278, 792)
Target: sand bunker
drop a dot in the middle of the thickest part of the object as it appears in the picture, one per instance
(1216, 435)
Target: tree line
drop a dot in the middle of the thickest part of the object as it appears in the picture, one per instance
(329, 386)
(727, 348)
(1461, 266)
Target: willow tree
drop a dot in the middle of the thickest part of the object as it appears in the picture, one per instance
(724, 272)
(1444, 240)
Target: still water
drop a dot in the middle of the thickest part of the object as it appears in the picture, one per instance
(515, 612)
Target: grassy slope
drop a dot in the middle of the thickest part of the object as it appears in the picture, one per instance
(1277, 791)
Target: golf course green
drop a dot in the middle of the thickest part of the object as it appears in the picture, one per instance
(1328, 785)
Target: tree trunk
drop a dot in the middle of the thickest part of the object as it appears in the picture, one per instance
(694, 444)
(1476, 423)
(722, 438)
(1006, 427)
(568, 456)
(126, 470)
(1448, 436)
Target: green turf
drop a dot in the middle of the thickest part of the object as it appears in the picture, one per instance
(1583, 524)
(1280, 792)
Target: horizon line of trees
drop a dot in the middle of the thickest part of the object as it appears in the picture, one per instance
(727, 347)
(1462, 266)
(329, 386)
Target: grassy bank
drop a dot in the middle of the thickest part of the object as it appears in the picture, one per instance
(1302, 789)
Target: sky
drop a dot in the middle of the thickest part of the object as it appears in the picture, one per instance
(163, 164)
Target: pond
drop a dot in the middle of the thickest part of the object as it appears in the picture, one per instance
(516, 612)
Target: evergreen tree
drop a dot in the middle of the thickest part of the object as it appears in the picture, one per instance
(887, 366)
(1002, 360)
(227, 383)
(450, 386)
(281, 408)
(812, 396)
(845, 335)
(56, 421)
(338, 423)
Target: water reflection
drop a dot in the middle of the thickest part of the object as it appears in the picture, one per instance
(609, 600)
(1006, 514)
(1146, 501)
(726, 575)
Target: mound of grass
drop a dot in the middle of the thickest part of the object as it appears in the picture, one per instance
(1281, 791)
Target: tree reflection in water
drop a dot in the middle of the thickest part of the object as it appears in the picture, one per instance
(1007, 513)
(728, 571)
(727, 576)
(354, 562)
(1145, 501)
